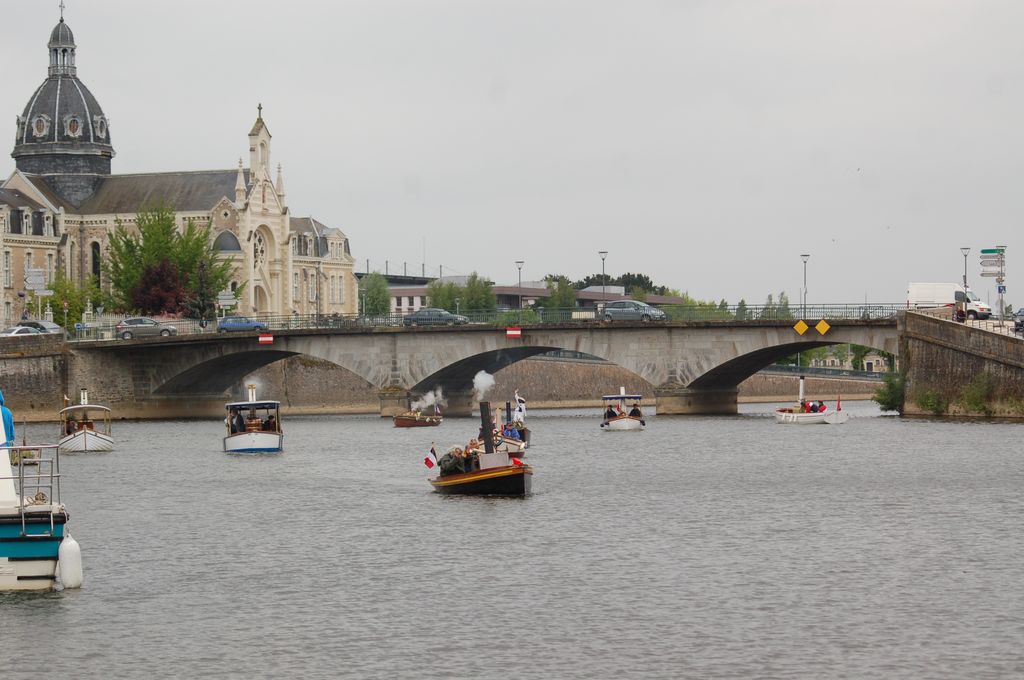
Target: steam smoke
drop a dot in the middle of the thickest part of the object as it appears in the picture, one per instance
(482, 382)
(429, 399)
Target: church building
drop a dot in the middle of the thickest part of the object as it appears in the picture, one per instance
(61, 204)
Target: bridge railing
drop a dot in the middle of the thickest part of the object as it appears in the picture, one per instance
(105, 328)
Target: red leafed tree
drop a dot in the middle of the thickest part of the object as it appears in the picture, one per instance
(160, 289)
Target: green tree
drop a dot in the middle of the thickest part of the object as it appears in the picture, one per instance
(156, 239)
(782, 310)
(376, 298)
(76, 297)
(890, 395)
(443, 294)
(858, 352)
(741, 310)
(480, 295)
(561, 293)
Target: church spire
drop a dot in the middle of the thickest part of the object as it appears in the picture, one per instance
(240, 185)
(280, 184)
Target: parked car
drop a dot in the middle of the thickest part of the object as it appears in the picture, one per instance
(431, 316)
(143, 326)
(19, 330)
(632, 310)
(239, 323)
(1018, 321)
(43, 326)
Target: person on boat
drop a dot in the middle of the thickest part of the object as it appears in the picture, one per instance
(635, 412)
(238, 423)
(270, 424)
(610, 413)
(520, 415)
(8, 419)
(813, 408)
(70, 426)
(821, 406)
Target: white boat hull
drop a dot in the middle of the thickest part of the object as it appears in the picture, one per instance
(254, 442)
(88, 441)
(623, 424)
(796, 418)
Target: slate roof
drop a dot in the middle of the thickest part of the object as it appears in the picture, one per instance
(182, 191)
(16, 199)
(46, 190)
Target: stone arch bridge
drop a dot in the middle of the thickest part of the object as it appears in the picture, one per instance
(695, 366)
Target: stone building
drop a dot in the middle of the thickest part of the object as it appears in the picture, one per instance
(61, 204)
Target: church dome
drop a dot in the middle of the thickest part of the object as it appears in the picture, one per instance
(63, 133)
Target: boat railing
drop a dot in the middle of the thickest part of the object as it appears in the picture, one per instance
(39, 487)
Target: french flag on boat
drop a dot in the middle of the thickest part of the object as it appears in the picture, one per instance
(431, 459)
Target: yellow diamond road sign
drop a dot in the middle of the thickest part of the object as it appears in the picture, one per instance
(822, 327)
(801, 327)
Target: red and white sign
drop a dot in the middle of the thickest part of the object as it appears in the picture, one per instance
(513, 332)
(266, 339)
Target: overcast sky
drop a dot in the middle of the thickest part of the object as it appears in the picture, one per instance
(705, 143)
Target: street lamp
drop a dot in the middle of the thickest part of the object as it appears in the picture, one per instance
(603, 254)
(805, 257)
(965, 250)
(519, 265)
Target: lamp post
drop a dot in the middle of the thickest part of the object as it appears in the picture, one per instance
(805, 257)
(603, 254)
(519, 266)
(965, 250)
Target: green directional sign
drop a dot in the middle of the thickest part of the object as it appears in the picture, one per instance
(992, 251)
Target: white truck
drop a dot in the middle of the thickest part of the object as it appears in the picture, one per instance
(929, 295)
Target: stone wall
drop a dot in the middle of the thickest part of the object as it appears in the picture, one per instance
(33, 373)
(956, 369)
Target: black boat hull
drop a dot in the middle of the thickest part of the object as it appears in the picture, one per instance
(511, 480)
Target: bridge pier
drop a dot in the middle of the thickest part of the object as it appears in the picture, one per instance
(393, 401)
(678, 400)
(461, 404)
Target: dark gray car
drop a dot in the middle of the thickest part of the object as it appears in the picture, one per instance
(632, 310)
(431, 316)
(143, 326)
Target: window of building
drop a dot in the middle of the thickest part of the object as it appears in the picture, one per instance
(312, 288)
(96, 262)
(295, 286)
(7, 313)
(7, 269)
(47, 225)
(341, 289)
(28, 262)
(49, 267)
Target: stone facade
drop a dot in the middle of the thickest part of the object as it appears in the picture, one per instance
(60, 206)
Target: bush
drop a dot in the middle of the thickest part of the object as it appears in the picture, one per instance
(977, 396)
(932, 401)
(891, 393)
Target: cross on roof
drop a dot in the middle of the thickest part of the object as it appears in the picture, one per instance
(61, 5)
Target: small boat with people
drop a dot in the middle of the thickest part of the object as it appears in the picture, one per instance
(419, 418)
(622, 412)
(478, 469)
(811, 412)
(516, 420)
(36, 550)
(85, 427)
(253, 426)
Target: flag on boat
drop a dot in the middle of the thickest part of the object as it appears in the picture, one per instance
(266, 339)
(839, 403)
(516, 461)
(431, 459)
(513, 332)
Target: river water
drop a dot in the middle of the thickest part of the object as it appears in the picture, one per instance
(703, 547)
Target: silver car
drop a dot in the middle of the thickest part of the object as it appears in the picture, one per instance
(143, 326)
(632, 310)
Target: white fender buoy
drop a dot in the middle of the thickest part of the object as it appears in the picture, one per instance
(69, 563)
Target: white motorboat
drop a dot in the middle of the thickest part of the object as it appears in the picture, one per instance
(622, 412)
(799, 414)
(85, 427)
(36, 552)
(253, 426)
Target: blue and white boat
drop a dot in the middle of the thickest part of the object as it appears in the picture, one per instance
(36, 551)
(253, 426)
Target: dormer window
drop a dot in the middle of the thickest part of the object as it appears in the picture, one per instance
(40, 125)
(73, 126)
(100, 125)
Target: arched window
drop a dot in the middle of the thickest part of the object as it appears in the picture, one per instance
(227, 242)
(96, 262)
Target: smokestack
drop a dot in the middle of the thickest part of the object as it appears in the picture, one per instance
(486, 426)
(252, 391)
